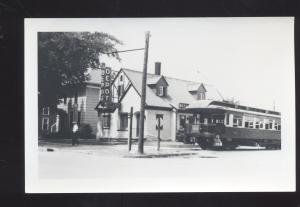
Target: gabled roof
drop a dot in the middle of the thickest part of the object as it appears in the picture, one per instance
(151, 98)
(154, 80)
(196, 86)
(178, 90)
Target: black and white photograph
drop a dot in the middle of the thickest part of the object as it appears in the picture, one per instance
(160, 105)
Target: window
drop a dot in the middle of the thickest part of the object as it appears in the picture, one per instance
(237, 121)
(277, 125)
(160, 91)
(271, 124)
(201, 96)
(251, 125)
(106, 121)
(121, 78)
(249, 122)
(123, 121)
(266, 126)
(45, 124)
(120, 90)
(217, 118)
(45, 111)
(256, 125)
(261, 125)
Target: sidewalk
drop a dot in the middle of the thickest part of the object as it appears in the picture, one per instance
(120, 149)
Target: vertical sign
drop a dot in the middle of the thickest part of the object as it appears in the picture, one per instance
(105, 96)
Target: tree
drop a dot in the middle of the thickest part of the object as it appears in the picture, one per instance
(65, 57)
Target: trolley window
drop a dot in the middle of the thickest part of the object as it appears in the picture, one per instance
(270, 124)
(237, 121)
(249, 122)
(259, 123)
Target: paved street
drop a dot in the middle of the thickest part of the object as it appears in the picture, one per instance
(94, 161)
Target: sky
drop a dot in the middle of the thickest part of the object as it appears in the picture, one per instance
(248, 59)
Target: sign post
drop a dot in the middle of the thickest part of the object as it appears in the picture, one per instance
(159, 117)
(130, 129)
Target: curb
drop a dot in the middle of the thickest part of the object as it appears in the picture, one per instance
(159, 155)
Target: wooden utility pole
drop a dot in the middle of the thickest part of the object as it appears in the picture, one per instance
(143, 96)
(130, 129)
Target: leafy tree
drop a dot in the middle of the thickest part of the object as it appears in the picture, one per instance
(65, 57)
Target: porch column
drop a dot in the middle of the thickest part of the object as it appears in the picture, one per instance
(173, 124)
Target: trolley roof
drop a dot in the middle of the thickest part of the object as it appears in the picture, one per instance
(224, 106)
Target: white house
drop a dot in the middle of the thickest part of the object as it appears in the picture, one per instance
(165, 96)
(85, 97)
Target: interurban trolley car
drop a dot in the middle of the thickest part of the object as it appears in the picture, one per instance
(215, 124)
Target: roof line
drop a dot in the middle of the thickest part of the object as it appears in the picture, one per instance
(130, 81)
(164, 76)
(146, 86)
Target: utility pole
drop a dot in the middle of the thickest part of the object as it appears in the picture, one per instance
(143, 96)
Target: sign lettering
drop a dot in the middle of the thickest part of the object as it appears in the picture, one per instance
(105, 96)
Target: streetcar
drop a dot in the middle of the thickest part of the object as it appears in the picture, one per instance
(223, 125)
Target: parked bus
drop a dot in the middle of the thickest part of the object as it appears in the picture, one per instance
(215, 124)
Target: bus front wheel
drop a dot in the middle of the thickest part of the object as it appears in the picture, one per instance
(204, 144)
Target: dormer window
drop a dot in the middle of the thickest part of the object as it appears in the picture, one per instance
(160, 90)
(201, 92)
(159, 85)
(201, 95)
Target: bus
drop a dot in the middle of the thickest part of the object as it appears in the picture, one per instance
(224, 125)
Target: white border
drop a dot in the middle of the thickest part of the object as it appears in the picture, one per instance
(157, 184)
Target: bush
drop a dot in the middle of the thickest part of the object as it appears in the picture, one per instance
(85, 131)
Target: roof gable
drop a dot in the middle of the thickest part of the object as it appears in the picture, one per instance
(152, 99)
(157, 80)
(178, 90)
(202, 88)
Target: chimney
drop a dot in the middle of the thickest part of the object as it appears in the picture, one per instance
(157, 68)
